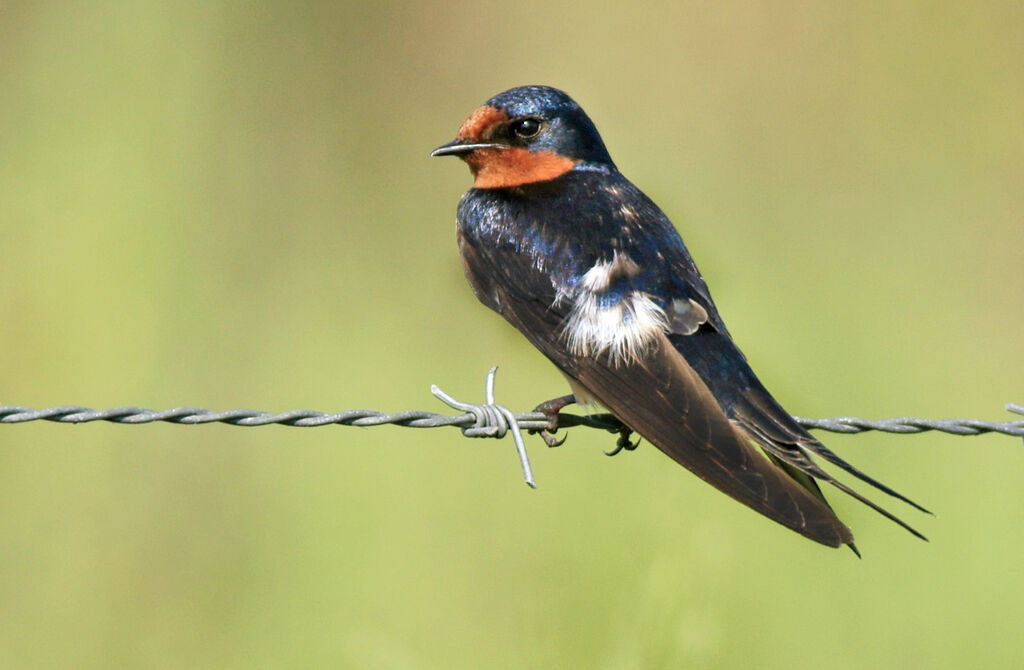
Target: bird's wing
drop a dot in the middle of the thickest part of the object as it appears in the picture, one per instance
(748, 404)
(718, 361)
(659, 395)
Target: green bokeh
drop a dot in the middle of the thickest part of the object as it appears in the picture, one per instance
(231, 205)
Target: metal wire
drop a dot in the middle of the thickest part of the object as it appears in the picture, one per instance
(477, 421)
(912, 424)
(486, 420)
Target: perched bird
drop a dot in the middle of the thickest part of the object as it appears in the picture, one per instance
(592, 272)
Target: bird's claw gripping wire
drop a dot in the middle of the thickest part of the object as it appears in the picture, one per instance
(550, 409)
(492, 420)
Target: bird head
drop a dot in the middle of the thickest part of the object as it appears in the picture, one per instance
(526, 135)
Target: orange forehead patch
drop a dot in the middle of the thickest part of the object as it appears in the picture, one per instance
(481, 122)
(515, 166)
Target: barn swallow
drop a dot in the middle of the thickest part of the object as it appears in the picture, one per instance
(595, 276)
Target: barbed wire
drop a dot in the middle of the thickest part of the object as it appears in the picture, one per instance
(477, 420)
(423, 419)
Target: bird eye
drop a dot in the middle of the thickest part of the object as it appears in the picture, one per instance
(526, 128)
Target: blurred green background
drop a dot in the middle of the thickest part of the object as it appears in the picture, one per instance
(224, 204)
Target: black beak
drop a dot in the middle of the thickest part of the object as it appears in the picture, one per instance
(461, 147)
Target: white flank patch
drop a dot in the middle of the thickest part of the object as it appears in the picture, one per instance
(624, 330)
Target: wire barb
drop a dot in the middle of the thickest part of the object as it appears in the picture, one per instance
(492, 420)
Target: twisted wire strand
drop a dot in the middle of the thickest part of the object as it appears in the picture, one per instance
(476, 420)
(911, 424)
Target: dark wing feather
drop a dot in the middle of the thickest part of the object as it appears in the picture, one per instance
(745, 400)
(662, 398)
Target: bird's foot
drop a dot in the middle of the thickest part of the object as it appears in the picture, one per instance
(623, 442)
(550, 409)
